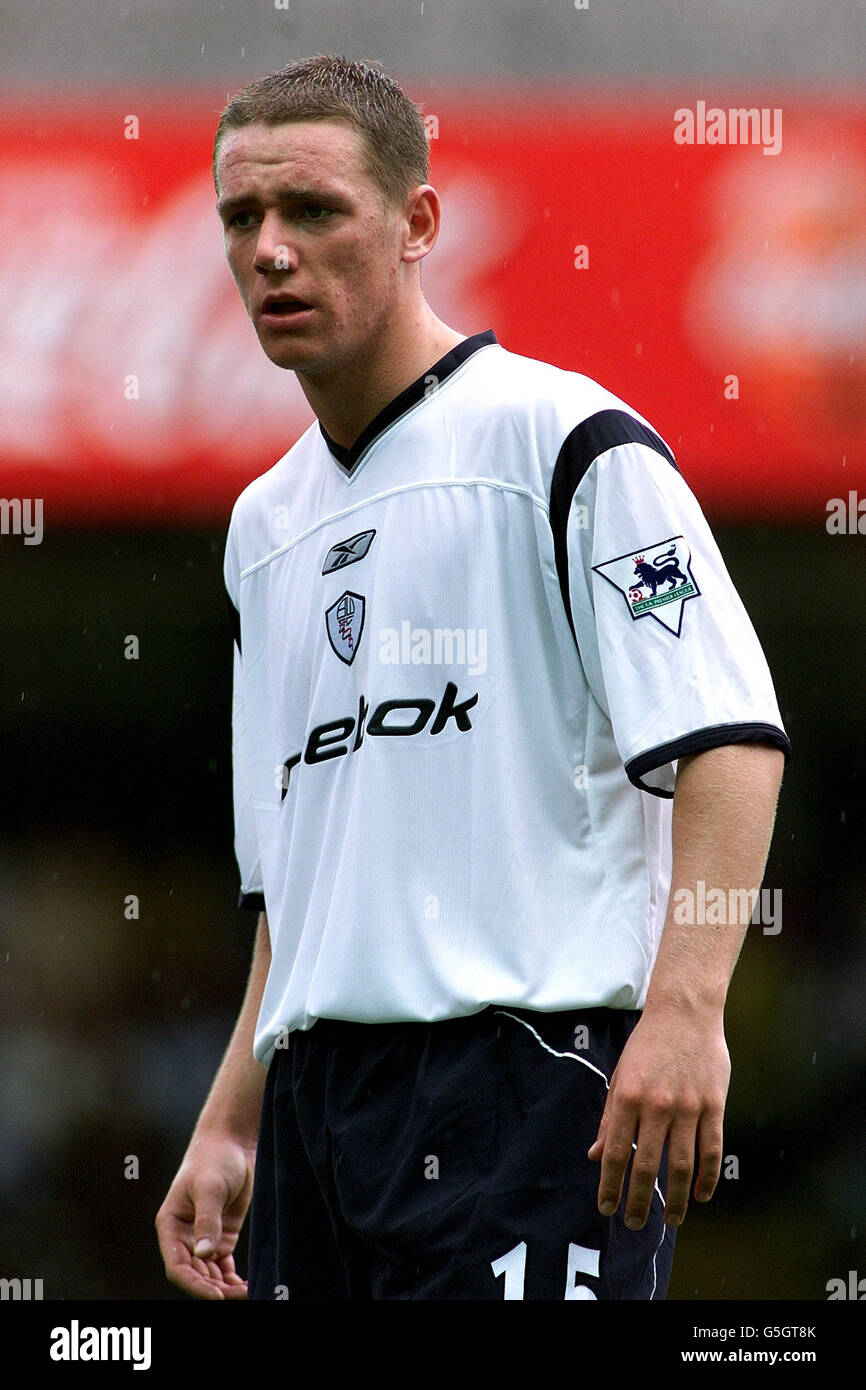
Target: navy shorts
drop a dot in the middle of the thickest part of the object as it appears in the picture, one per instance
(446, 1160)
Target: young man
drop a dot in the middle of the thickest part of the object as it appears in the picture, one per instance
(497, 704)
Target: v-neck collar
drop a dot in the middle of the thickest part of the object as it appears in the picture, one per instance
(348, 459)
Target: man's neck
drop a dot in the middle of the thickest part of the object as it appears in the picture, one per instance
(348, 400)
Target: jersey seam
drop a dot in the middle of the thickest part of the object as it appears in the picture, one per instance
(495, 483)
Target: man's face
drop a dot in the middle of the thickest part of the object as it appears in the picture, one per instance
(304, 222)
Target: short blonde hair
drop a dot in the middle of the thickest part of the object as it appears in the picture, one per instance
(329, 87)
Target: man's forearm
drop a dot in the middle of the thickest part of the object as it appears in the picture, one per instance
(234, 1103)
(723, 813)
(670, 1084)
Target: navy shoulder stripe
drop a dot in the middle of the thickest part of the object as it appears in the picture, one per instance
(580, 448)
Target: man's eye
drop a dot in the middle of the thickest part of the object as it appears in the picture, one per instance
(236, 220)
(312, 208)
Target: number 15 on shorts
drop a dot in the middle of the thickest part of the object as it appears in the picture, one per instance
(581, 1260)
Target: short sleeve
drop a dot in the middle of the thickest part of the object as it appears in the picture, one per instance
(669, 651)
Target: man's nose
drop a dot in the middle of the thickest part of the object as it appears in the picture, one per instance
(274, 250)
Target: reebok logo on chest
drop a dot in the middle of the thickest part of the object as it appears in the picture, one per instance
(330, 740)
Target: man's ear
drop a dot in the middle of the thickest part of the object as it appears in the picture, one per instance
(423, 218)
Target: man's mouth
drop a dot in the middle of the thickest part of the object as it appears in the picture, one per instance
(283, 305)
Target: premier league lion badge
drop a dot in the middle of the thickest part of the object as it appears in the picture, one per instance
(655, 581)
(345, 623)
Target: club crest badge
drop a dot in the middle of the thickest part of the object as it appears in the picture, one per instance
(655, 581)
(344, 621)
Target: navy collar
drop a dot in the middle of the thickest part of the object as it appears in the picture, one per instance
(349, 458)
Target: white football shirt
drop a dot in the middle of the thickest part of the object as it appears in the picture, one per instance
(470, 650)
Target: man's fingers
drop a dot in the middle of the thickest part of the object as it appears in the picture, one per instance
(209, 1198)
(206, 1278)
(190, 1233)
(173, 1244)
(182, 1269)
(646, 1156)
(202, 1286)
(595, 1149)
(618, 1139)
(645, 1164)
(710, 1149)
(681, 1164)
(646, 1161)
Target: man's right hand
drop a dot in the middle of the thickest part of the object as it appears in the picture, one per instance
(199, 1222)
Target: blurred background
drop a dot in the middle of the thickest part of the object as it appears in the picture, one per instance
(717, 287)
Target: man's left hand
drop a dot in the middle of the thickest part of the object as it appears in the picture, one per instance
(670, 1085)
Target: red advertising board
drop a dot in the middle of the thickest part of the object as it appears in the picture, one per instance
(709, 271)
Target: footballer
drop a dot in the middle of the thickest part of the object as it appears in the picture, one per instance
(480, 1056)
